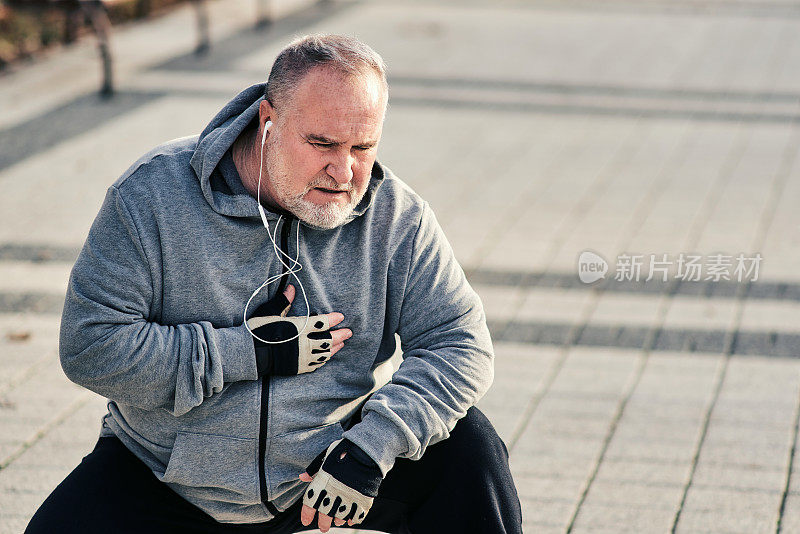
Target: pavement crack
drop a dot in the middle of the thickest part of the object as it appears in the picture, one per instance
(789, 468)
(73, 407)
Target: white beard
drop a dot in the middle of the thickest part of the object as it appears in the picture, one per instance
(324, 216)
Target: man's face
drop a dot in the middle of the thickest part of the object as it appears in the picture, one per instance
(322, 145)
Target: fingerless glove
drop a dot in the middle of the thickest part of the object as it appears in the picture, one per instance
(346, 481)
(307, 352)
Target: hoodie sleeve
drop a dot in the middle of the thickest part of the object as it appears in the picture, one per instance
(447, 356)
(107, 344)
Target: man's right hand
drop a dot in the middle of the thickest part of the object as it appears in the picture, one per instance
(308, 352)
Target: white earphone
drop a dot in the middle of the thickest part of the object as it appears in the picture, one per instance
(267, 126)
(296, 265)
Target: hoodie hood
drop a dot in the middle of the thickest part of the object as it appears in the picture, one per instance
(219, 135)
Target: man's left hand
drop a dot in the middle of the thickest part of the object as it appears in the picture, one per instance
(344, 482)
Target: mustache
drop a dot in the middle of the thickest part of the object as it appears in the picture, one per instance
(325, 184)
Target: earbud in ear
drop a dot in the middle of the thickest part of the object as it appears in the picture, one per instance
(266, 129)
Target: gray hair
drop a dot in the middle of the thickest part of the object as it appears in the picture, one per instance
(346, 54)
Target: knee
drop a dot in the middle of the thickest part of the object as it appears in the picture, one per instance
(475, 441)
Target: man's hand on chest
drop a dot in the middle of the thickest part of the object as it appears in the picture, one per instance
(293, 345)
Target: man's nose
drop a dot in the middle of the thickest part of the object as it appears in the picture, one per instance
(341, 169)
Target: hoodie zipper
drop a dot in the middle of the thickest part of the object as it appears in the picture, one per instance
(262, 434)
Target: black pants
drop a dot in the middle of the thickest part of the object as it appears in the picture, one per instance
(461, 485)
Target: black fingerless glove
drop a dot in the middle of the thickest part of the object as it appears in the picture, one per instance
(346, 481)
(308, 352)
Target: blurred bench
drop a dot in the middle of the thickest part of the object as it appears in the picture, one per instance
(77, 13)
(94, 14)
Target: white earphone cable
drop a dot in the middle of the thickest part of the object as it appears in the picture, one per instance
(296, 265)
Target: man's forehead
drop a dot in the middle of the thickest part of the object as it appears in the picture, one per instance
(326, 90)
(338, 108)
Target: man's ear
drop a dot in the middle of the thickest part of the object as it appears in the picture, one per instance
(265, 112)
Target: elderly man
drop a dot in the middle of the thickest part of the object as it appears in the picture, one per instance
(237, 299)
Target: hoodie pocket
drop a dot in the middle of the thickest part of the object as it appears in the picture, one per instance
(220, 467)
(290, 454)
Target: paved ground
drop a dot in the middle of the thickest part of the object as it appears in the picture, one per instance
(537, 130)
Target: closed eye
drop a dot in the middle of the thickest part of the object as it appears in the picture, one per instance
(322, 144)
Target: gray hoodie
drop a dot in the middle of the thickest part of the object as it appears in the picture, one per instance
(153, 321)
